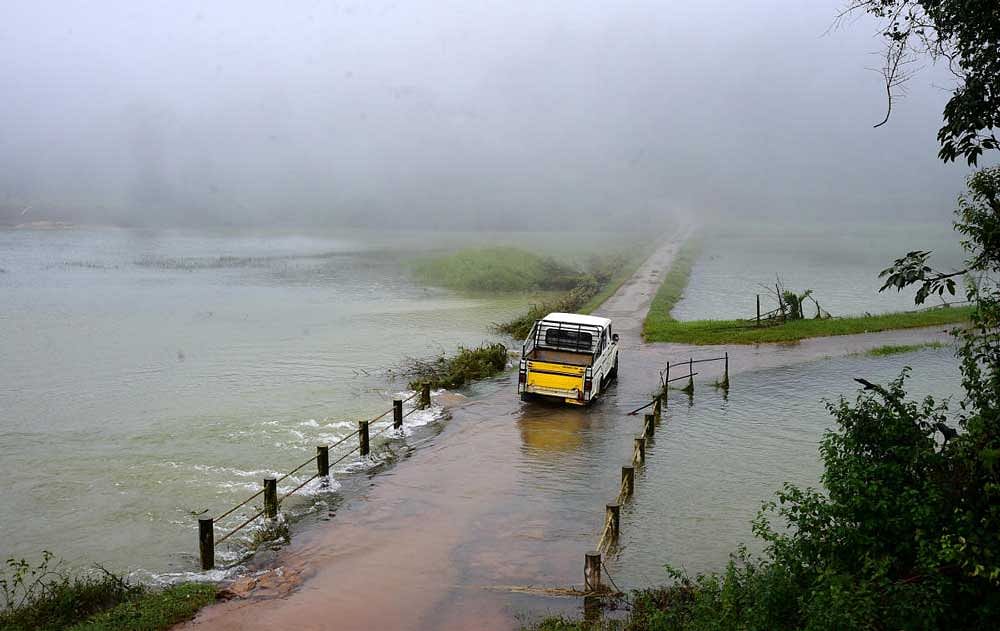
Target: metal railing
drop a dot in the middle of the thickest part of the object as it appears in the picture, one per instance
(207, 525)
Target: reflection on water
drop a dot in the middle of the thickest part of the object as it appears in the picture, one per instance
(511, 495)
(714, 460)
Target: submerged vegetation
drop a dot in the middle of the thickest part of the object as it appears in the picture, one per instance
(46, 596)
(898, 349)
(497, 269)
(467, 365)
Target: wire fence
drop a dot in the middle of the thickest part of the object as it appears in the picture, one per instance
(207, 525)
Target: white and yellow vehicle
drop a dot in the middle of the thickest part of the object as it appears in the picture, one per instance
(568, 356)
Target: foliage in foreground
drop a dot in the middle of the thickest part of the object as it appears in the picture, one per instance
(47, 596)
(467, 365)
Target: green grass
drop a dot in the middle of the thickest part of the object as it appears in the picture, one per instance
(897, 349)
(744, 332)
(671, 289)
(152, 611)
(46, 596)
(661, 327)
(490, 269)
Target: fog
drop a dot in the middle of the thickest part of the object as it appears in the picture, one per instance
(455, 114)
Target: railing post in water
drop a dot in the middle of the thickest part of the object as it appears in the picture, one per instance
(614, 518)
(592, 572)
(658, 408)
(397, 413)
(270, 498)
(322, 461)
(689, 389)
(425, 395)
(363, 437)
(639, 452)
(725, 373)
(628, 481)
(206, 542)
(650, 425)
(666, 383)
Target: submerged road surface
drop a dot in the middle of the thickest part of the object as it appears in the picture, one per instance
(467, 532)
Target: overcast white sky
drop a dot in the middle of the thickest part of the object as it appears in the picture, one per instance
(468, 114)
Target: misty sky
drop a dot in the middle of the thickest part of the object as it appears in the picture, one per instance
(465, 114)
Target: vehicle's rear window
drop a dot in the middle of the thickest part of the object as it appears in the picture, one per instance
(568, 339)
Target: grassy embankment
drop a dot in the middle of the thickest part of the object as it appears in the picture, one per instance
(661, 327)
(46, 597)
(564, 287)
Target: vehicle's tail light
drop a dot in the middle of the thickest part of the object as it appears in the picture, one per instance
(588, 383)
(522, 373)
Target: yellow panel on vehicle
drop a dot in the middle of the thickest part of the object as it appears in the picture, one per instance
(556, 382)
(559, 369)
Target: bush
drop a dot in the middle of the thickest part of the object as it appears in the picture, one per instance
(468, 365)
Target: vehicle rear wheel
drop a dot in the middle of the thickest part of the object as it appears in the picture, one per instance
(613, 373)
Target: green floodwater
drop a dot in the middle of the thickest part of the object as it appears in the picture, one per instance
(147, 376)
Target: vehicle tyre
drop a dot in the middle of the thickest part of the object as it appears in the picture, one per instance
(613, 374)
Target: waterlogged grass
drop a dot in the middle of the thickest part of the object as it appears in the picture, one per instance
(467, 365)
(897, 349)
(744, 332)
(504, 269)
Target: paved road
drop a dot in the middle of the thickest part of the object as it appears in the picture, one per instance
(488, 503)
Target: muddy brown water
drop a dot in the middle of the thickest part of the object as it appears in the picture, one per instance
(468, 530)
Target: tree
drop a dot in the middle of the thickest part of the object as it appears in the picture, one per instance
(966, 35)
(907, 534)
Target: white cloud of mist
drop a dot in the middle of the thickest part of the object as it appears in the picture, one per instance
(446, 113)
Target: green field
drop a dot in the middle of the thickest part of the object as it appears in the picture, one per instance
(661, 327)
(744, 332)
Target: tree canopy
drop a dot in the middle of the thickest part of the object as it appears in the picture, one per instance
(966, 35)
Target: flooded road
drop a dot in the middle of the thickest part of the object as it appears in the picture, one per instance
(469, 529)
